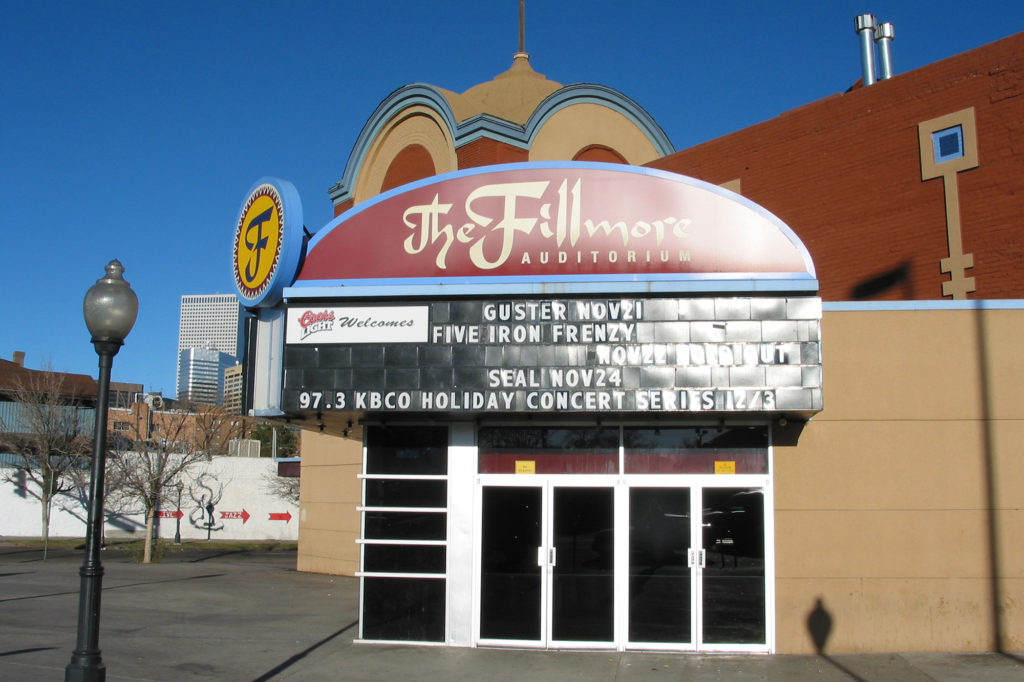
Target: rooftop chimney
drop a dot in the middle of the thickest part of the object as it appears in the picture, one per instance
(19, 358)
(865, 26)
(884, 35)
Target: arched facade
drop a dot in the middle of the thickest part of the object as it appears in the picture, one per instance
(518, 116)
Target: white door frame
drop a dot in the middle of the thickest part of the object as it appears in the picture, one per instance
(621, 485)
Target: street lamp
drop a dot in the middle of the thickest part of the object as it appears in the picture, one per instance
(110, 308)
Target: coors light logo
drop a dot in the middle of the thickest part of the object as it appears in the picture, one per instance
(313, 322)
(358, 324)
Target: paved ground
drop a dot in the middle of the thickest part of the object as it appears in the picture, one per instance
(224, 615)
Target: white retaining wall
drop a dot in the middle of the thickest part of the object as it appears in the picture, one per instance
(243, 507)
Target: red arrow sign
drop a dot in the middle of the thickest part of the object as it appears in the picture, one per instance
(244, 515)
(171, 514)
(278, 516)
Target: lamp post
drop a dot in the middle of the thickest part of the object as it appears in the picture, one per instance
(177, 518)
(110, 308)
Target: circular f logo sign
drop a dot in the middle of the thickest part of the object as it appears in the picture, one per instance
(262, 241)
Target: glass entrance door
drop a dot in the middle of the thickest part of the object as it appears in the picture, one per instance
(732, 568)
(512, 591)
(582, 565)
(679, 567)
(547, 565)
(660, 566)
(697, 576)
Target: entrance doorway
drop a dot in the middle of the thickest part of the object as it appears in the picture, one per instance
(609, 562)
(547, 565)
(697, 569)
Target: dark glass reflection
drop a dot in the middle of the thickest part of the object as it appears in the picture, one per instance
(734, 572)
(404, 558)
(695, 449)
(590, 450)
(496, 439)
(583, 590)
(510, 580)
(391, 492)
(405, 609)
(405, 525)
(659, 576)
(407, 450)
(700, 438)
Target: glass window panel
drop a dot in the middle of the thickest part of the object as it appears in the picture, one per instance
(583, 600)
(407, 450)
(696, 450)
(510, 579)
(406, 493)
(406, 609)
(405, 525)
(948, 144)
(659, 576)
(586, 450)
(404, 558)
(734, 573)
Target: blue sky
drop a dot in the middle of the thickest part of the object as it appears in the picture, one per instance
(133, 130)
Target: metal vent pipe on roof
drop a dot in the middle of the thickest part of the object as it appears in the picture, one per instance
(884, 35)
(865, 24)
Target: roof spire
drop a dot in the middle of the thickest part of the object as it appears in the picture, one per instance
(522, 28)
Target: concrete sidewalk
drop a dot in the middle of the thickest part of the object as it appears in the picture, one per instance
(226, 615)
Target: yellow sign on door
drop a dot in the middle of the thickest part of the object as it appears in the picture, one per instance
(725, 467)
(526, 467)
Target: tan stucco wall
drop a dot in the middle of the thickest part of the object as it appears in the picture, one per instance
(882, 510)
(415, 125)
(329, 495)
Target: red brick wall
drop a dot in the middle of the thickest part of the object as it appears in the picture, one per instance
(411, 164)
(844, 172)
(342, 207)
(598, 152)
(487, 152)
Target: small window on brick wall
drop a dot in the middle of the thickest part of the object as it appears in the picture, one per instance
(948, 144)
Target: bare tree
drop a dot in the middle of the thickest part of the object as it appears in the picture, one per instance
(283, 487)
(214, 429)
(48, 431)
(150, 464)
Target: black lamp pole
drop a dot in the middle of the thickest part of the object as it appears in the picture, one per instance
(110, 309)
(177, 518)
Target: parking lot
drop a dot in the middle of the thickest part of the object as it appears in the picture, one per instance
(244, 614)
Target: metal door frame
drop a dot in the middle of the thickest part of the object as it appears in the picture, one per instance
(696, 484)
(548, 483)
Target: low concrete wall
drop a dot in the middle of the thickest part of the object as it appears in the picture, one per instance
(243, 507)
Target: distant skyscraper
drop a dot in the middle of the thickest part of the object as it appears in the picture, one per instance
(209, 322)
(233, 389)
(201, 375)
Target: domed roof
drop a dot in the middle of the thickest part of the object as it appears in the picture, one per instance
(513, 95)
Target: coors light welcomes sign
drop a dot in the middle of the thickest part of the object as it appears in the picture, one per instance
(554, 221)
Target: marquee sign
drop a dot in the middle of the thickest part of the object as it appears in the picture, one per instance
(757, 355)
(267, 243)
(553, 222)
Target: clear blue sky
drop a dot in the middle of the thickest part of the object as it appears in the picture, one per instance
(132, 130)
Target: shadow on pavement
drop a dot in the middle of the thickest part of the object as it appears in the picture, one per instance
(302, 654)
(115, 587)
(27, 651)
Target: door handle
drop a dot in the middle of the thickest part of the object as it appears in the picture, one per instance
(689, 557)
(540, 557)
(703, 558)
(552, 553)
